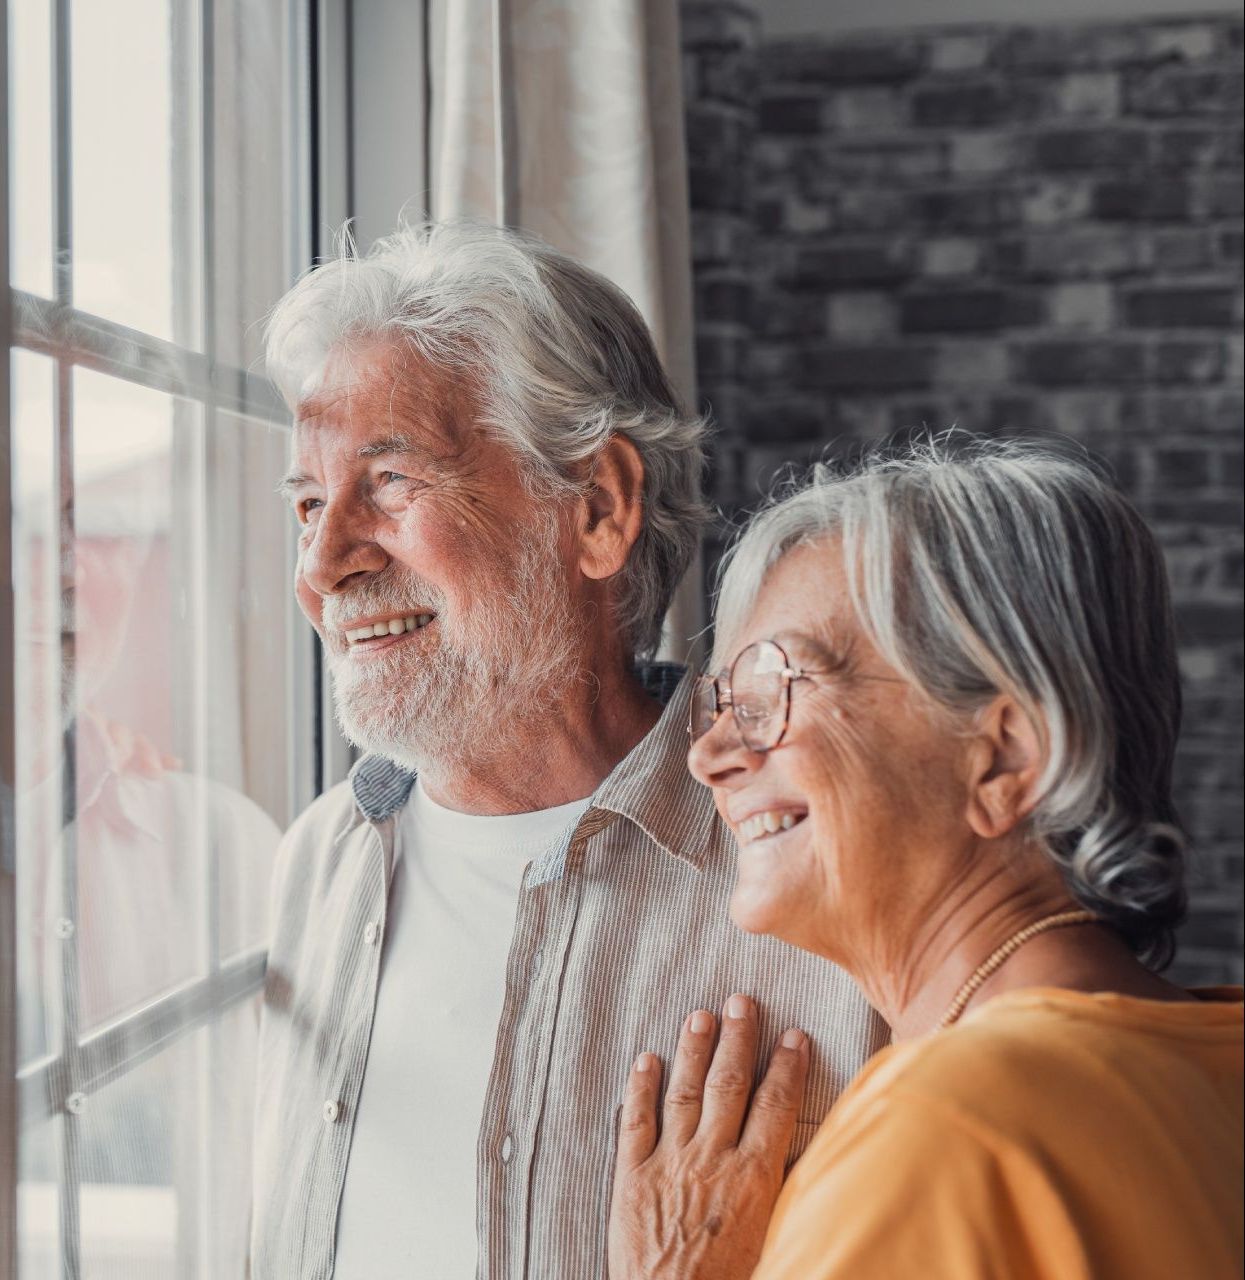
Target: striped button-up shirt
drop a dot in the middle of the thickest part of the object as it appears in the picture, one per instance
(621, 929)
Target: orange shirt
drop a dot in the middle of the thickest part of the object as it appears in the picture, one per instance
(1051, 1135)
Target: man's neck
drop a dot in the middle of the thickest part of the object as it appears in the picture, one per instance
(561, 757)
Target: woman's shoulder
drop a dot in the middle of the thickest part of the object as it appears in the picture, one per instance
(1039, 1053)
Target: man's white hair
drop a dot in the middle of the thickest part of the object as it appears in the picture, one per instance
(979, 567)
(558, 357)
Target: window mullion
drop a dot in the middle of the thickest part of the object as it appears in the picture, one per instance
(8, 742)
(69, 1145)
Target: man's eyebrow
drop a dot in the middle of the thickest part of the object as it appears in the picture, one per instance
(396, 443)
(292, 482)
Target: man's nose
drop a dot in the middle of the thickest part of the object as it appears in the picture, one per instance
(719, 758)
(341, 550)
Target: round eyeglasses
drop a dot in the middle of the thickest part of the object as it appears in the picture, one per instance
(757, 688)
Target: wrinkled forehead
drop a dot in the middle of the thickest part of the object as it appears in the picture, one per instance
(380, 388)
(802, 600)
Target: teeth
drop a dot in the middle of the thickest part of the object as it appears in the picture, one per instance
(766, 824)
(394, 627)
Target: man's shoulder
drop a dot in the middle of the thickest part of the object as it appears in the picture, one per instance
(331, 812)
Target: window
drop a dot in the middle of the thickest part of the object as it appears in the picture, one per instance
(160, 196)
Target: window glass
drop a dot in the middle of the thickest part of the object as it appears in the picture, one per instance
(163, 677)
(135, 195)
(36, 590)
(252, 126)
(31, 229)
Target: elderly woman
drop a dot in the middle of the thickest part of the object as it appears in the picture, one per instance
(943, 735)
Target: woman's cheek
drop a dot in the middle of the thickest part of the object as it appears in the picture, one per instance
(774, 885)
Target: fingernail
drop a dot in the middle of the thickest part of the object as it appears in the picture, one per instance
(737, 1007)
(644, 1062)
(702, 1022)
(793, 1038)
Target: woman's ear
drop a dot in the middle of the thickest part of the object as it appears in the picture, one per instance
(1006, 757)
(613, 509)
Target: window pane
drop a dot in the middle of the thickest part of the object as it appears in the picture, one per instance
(255, 712)
(135, 168)
(30, 145)
(257, 215)
(160, 1189)
(37, 590)
(135, 836)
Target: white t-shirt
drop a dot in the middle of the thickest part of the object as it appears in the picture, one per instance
(408, 1206)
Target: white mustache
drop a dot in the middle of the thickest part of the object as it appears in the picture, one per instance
(399, 595)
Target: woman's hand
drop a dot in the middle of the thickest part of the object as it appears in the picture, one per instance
(694, 1203)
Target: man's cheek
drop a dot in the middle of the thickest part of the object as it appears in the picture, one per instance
(309, 601)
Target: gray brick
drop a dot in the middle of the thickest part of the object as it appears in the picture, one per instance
(1142, 200)
(879, 365)
(1083, 305)
(1186, 91)
(716, 25)
(1090, 147)
(1188, 360)
(946, 106)
(960, 51)
(1075, 253)
(1180, 308)
(967, 208)
(1181, 249)
(843, 262)
(1060, 363)
(861, 316)
(790, 113)
(1047, 201)
(1197, 147)
(968, 311)
(950, 256)
(852, 61)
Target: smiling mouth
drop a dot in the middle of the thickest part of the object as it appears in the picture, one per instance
(375, 634)
(770, 822)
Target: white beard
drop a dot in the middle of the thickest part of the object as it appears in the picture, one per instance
(449, 700)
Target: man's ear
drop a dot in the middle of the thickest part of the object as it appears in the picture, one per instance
(1005, 760)
(613, 509)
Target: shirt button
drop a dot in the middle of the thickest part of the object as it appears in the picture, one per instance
(371, 931)
(537, 960)
(331, 1111)
(507, 1149)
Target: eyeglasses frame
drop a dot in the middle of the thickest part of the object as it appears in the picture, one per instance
(722, 695)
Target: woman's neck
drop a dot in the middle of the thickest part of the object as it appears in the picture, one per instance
(973, 921)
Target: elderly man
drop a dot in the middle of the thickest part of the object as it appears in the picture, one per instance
(497, 491)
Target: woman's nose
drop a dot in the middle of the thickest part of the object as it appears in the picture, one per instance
(718, 758)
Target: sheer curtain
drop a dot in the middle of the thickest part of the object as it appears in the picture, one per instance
(565, 118)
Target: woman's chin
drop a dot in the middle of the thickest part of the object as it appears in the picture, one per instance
(756, 912)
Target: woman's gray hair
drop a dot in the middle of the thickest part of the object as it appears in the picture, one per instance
(979, 567)
(559, 358)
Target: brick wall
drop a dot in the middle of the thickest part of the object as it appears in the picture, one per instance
(1017, 229)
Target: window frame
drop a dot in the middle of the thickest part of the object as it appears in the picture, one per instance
(71, 338)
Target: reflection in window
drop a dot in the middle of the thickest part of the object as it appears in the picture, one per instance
(157, 664)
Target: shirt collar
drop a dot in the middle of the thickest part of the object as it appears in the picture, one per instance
(650, 785)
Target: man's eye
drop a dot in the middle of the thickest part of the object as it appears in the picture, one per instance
(306, 506)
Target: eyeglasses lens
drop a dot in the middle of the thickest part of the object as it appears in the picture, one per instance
(757, 691)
